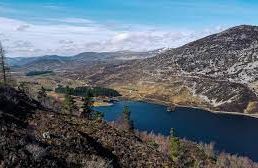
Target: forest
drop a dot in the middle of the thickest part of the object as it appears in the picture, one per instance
(36, 73)
(85, 90)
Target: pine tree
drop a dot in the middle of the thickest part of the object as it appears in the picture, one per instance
(87, 105)
(69, 104)
(3, 64)
(175, 148)
(42, 94)
(125, 120)
(97, 115)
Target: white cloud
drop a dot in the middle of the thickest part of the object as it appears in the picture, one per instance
(75, 35)
(22, 27)
(75, 20)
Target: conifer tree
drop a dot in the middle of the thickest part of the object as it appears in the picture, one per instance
(42, 94)
(3, 64)
(87, 105)
(125, 120)
(175, 148)
(69, 104)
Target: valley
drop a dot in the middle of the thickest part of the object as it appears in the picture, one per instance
(218, 72)
(128, 84)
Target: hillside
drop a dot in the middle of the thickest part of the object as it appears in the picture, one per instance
(231, 54)
(218, 72)
(32, 136)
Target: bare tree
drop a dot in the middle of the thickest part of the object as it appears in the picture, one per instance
(2, 63)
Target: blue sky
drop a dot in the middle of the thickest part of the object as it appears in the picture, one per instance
(160, 23)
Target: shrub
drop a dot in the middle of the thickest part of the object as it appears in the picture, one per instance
(124, 121)
(69, 104)
(174, 148)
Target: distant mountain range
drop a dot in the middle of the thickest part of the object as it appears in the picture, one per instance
(57, 62)
(219, 72)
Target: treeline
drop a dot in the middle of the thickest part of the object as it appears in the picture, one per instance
(35, 73)
(84, 91)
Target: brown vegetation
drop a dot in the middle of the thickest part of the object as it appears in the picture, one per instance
(196, 155)
(31, 137)
(34, 136)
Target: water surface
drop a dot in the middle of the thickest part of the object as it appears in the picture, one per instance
(234, 134)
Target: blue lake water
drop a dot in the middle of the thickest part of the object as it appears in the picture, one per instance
(233, 134)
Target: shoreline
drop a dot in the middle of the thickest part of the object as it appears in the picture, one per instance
(103, 104)
(191, 106)
(220, 112)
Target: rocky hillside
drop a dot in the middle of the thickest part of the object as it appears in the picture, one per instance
(219, 72)
(33, 137)
(229, 55)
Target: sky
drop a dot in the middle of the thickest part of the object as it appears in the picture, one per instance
(68, 27)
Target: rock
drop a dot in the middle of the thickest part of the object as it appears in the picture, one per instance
(46, 135)
(36, 151)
